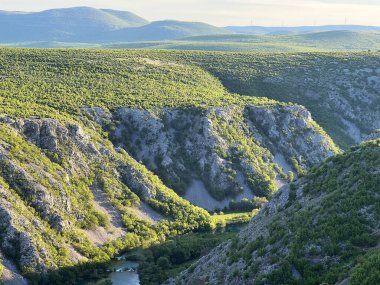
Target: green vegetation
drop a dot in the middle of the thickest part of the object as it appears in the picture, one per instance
(54, 170)
(1, 270)
(334, 227)
(53, 83)
(329, 85)
(367, 271)
(168, 259)
(184, 217)
(58, 83)
(195, 45)
(222, 220)
(246, 204)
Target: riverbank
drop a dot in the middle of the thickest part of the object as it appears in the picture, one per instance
(153, 265)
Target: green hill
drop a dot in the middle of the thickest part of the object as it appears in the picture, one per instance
(141, 146)
(321, 41)
(340, 89)
(90, 27)
(323, 229)
(106, 151)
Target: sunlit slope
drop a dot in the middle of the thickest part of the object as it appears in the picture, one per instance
(98, 149)
(340, 89)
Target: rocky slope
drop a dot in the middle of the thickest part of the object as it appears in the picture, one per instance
(98, 149)
(322, 229)
(66, 191)
(48, 212)
(341, 90)
(232, 152)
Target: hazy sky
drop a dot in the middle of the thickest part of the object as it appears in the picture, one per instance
(229, 12)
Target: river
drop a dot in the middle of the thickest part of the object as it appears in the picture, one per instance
(121, 275)
(126, 277)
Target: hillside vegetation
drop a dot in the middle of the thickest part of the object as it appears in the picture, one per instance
(227, 135)
(97, 147)
(322, 229)
(341, 90)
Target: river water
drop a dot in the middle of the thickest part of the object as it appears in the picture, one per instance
(125, 277)
(132, 278)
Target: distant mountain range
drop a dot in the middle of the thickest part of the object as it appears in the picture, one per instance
(85, 26)
(257, 30)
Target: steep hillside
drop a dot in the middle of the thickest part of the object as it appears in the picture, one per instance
(248, 144)
(51, 212)
(233, 151)
(96, 146)
(322, 229)
(340, 90)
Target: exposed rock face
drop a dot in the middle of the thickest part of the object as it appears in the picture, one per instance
(215, 268)
(299, 228)
(65, 140)
(49, 166)
(47, 170)
(10, 274)
(291, 132)
(228, 149)
(374, 136)
(348, 92)
(16, 240)
(66, 144)
(341, 91)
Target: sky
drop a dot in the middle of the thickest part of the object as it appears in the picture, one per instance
(229, 12)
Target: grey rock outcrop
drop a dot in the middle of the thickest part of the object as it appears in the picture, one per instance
(229, 149)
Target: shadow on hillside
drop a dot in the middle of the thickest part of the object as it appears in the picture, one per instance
(72, 275)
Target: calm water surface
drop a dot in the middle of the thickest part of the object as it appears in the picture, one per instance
(124, 278)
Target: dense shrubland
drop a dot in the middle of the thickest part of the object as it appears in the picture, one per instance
(341, 90)
(160, 262)
(47, 180)
(58, 82)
